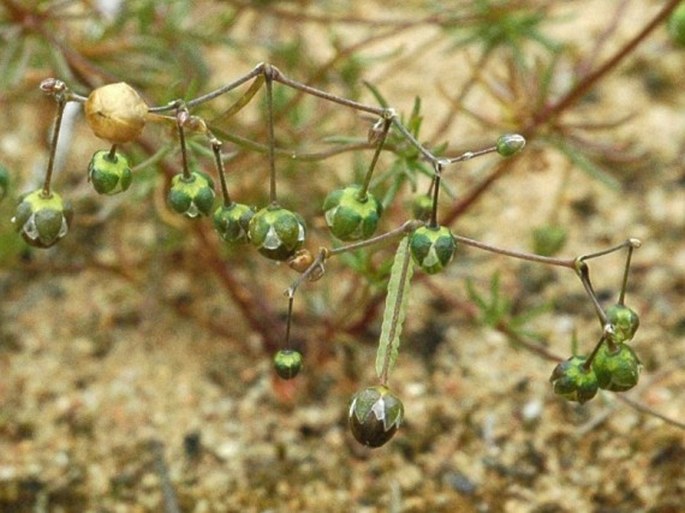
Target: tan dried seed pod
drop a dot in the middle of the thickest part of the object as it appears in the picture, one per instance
(116, 112)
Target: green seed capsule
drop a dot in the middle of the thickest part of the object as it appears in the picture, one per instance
(349, 217)
(232, 221)
(109, 175)
(288, 363)
(42, 220)
(510, 144)
(432, 248)
(422, 207)
(625, 322)
(571, 380)
(4, 181)
(277, 233)
(617, 370)
(375, 415)
(192, 196)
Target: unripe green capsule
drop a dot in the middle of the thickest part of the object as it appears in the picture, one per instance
(277, 233)
(42, 219)
(571, 380)
(193, 196)
(287, 363)
(432, 248)
(375, 415)
(510, 144)
(232, 222)
(4, 181)
(617, 370)
(422, 207)
(624, 321)
(109, 174)
(349, 217)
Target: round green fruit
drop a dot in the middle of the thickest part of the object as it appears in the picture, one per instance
(191, 196)
(624, 321)
(617, 370)
(288, 363)
(432, 248)
(232, 222)
(42, 219)
(510, 144)
(350, 217)
(571, 380)
(277, 233)
(108, 173)
(375, 415)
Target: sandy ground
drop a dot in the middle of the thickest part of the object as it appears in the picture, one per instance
(112, 401)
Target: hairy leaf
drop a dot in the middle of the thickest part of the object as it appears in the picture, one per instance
(395, 310)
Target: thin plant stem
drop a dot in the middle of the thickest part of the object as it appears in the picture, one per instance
(112, 153)
(278, 76)
(468, 155)
(216, 148)
(587, 364)
(410, 137)
(61, 103)
(268, 75)
(288, 322)
(258, 70)
(181, 116)
(436, 194)
(632, 243)
(531, 257)
(379, 147)
(583, 272)
(407, 227)
(624, 283)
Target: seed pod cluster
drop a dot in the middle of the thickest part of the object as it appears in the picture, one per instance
(42, 219)
(232, 222)
(573, 381)
(375, 415)
(288, 363)
(349, 216)
(192, 196)
(432, 248)
(109, 174)
(276, 232)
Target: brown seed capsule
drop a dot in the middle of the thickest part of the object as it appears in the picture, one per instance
(116, 112)
(301, 260)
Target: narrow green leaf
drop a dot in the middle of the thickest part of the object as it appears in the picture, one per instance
(395, 310)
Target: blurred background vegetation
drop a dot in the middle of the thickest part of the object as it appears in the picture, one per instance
(604, 162)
